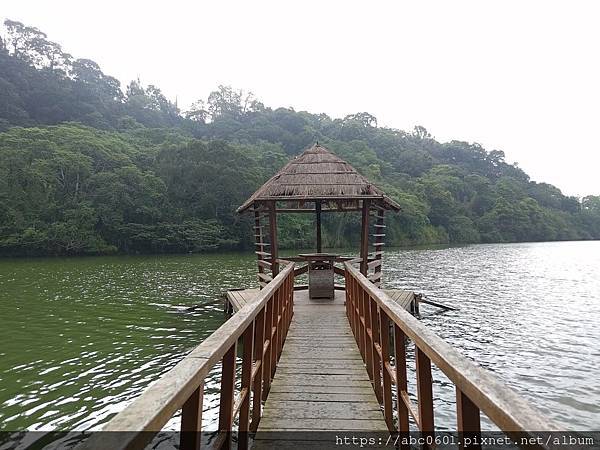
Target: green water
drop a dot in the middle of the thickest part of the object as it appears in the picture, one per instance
(81, 337)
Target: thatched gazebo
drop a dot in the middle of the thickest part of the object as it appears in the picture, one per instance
(316, 182)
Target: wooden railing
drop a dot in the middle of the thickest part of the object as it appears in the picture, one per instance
(262, 326)
(381, 327)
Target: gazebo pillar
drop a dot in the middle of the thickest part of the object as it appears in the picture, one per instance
(318, 210)
(364, 237)
(273, 238)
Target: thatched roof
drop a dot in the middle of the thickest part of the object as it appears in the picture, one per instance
(317, 174)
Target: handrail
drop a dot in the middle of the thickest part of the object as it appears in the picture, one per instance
(371, 313)
(265, 322)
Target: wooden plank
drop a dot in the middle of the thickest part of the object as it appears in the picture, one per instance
(374, 264)
(375, 277)
(266, 278)
(343, 397)
(276, 424)
(321, 370)
(325, 364)
(348, 389)
(265, 264)
(295, 409)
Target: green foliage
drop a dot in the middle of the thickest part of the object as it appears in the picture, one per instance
(134, 174)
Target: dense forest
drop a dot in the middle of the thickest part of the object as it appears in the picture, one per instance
(89, 167)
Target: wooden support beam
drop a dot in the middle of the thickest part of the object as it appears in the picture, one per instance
(364, 237)
(318, 210)
(273, 238)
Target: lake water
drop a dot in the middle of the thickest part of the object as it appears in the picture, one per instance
(81, 337)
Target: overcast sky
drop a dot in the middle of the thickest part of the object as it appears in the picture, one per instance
(522, 77)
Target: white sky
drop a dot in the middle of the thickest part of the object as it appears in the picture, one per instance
(523, 77)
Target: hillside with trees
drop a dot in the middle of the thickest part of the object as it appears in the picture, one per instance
(88, 166)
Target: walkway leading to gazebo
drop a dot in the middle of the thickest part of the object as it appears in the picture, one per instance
(321, 383)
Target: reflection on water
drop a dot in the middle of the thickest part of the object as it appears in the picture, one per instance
(530, 313)
(80, 338)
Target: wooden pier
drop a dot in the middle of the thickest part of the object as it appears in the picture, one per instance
(292, 353)
(311, 365)
(321, 383)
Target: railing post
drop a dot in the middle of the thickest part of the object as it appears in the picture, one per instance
(191, 421)
(401, 383)
(290, 294)
(356, 312)
(227, 394)
(248, 344)
(259, 342)
(468, 421)
(384, 332)
(362, 334)
(352, 306)
(280, 321)
(424, 393)
(369, 345)
(274, 333)
(376, 349)
(267, 347)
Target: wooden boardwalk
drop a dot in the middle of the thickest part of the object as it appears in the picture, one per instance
(317, 393)
(321, 383)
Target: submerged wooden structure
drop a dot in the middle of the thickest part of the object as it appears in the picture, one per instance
(334, 365)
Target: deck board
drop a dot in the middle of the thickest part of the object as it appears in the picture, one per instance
(240, 298)
(321, 383)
